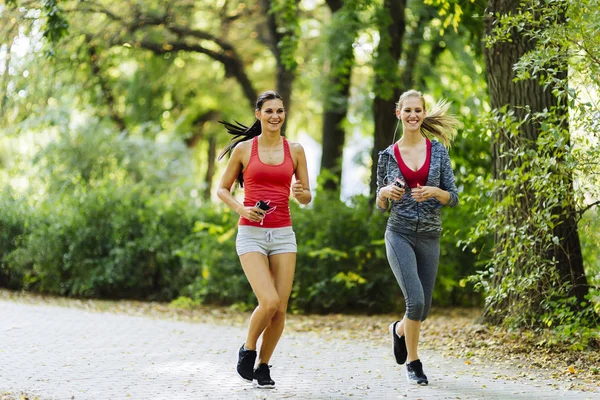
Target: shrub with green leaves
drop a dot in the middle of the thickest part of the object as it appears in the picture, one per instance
(102, 221)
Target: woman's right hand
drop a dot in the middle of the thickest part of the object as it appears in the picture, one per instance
(391, 192)
(253, 214)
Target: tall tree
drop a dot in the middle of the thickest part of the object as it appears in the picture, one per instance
(341, 37)
(392, 24)
(527, 107)
(282, 26)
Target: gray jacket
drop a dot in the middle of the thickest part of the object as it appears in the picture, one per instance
(406, 213)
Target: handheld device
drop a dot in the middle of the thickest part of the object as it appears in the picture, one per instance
(399, 183)
(262, 205)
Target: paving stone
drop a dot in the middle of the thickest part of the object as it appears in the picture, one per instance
(67, 353)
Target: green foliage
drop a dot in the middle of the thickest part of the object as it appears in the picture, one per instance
(521, 281)
(56, 24)
(286, 12)
(103, 224)
(209, 259)
(387, 80)
(450, 12)
(589, 229)
(130, 242)
(570, 326)
(341, 258)
(105, 242)
(545, 182)
(94, 153)
(344, 28)
(13, 222)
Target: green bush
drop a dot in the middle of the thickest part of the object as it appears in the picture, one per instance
(210, 262)
(107, 242)
(13, 217)
(101, 221)
(130, 242)
(341, 258)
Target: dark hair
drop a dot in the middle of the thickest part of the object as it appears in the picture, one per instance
(242, 133)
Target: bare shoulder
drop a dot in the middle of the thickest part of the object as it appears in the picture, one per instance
(242, 149)
(295, 147)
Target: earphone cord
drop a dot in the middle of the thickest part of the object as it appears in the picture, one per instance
(387, 172)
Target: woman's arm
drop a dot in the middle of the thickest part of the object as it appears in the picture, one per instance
(448, 194)
(385, 193)
(232, 170)
(300, 188)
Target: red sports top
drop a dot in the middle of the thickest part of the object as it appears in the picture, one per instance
(414, 177)
(269, 183)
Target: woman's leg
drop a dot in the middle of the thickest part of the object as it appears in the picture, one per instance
(412, 331)
(403, 261)
(428, 259)
(427, 253)
(282, 269)
(256, 268)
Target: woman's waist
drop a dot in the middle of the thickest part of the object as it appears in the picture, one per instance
(261, 229)
(281, 202)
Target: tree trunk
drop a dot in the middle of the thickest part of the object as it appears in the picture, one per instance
(105, 88)
(392, 25)
(210, 168)
(10, 39)
(285, 74)
(334, 138)
(285, 81)
(337, 91)
(522, 97)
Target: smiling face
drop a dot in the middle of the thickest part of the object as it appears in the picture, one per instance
(271, 115)
(412, 112)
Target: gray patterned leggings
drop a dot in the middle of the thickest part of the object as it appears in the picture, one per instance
(414, 259)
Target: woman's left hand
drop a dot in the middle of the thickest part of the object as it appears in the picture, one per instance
(297, 189)
(422, 193)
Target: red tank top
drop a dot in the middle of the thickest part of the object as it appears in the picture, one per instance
(269, 183)
(414, 177)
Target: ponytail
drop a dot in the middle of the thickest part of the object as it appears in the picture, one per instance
(240, 133)
(439, 124)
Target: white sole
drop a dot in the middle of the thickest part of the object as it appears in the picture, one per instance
(416, 383)
(257, 386)
(242, 378)
(391, 329)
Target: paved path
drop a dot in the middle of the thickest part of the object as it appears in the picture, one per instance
(67, 353)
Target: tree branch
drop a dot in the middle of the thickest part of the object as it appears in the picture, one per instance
(583, 210)
(107, 93)
(228, 56)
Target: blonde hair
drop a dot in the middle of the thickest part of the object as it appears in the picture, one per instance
(436, 123)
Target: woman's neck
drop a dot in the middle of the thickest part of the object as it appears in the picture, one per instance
(270, 139)
(411, 139)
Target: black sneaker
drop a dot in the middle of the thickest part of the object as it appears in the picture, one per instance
(398, 345)
(414, 373)
(245, 364)
(262, 377)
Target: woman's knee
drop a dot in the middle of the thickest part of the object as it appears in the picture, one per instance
(425, 312)
(415, 310)
(279, 315)
(270, 304)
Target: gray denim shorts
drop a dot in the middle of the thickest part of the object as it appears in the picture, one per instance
(268, 241)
